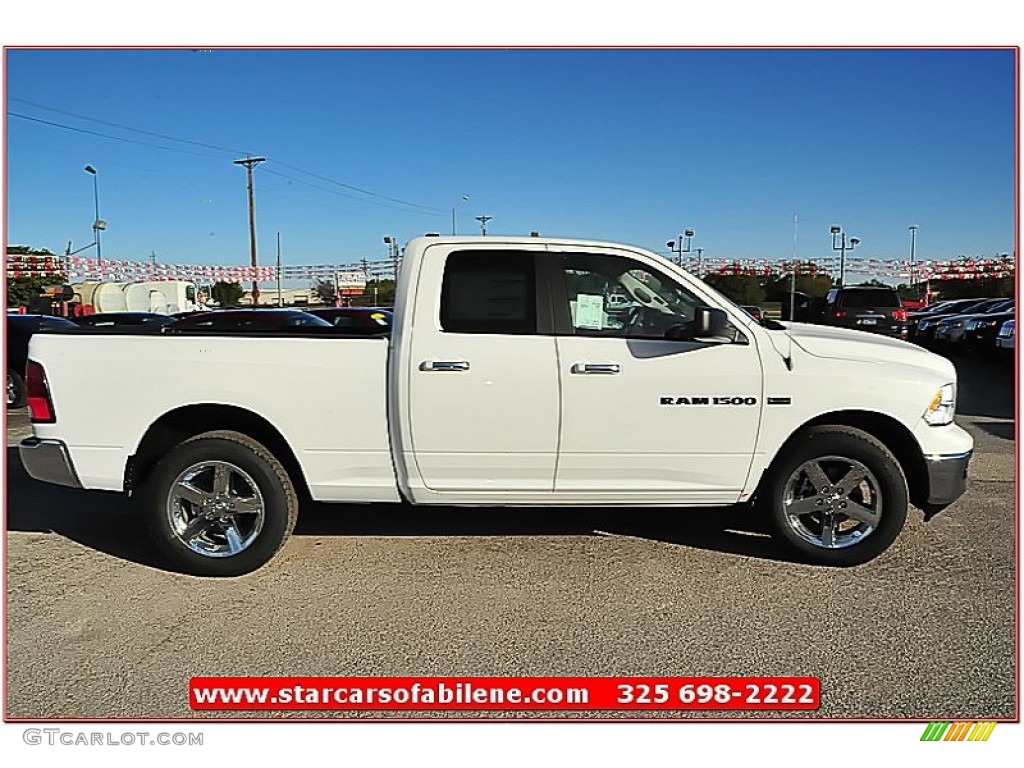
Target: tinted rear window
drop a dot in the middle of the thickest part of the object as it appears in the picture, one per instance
(870, 298)
(489, 292)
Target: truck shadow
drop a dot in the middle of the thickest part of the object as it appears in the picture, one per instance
(105, 522)
(986, 388)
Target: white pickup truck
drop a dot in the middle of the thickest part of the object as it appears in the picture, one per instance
(505, 382)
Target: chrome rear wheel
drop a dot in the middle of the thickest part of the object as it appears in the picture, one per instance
(215, 509)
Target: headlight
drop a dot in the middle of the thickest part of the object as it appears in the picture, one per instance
(942, 407)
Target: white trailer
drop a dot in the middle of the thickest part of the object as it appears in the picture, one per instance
(163, 297)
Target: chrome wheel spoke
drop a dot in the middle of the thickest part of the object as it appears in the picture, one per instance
(806, 506)
(816, 475)
(860, 513)
(233, 536)
(221, 480)
(854, 477)
(245, 506)
(196, 527)
(828, 531)
(190, 493)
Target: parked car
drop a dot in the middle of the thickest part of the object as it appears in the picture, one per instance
(950, 330)
(980, 332)
(124, 320)
(368, 320)
(1006, 338)
(755, 312)
(492, 392)
(926, 326)
(939, 307)
(866, 308)
(799, 307)
(246, 320)
(21, 328)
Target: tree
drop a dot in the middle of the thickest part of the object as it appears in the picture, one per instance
(227, 294)
(989, 287)
(21, 289)
(778, 286)
(325, 292)
(743, 289)
(384, 294)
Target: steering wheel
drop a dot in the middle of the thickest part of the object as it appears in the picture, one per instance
(635, 319)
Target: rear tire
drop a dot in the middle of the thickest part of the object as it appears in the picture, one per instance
(15, 389)
(218, 504)
(837, 496)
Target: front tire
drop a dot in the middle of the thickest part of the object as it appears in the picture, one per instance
(219, 504)
(837, 496)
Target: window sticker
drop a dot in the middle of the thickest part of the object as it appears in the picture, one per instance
(589, 311)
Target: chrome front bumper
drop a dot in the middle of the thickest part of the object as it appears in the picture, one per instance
(947, 477)
(49, 461)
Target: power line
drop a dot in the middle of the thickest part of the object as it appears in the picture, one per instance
(106, 135)
(358, 189)
(352, 187)
(338, 192)
(129, 128)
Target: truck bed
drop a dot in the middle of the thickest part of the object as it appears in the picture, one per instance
(323, 390)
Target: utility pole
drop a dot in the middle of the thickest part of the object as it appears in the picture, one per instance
(251, 162)
(279, 303)
(483, 223)
(792, 281)
(913, 241)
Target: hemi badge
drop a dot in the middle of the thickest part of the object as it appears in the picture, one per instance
(780, 401)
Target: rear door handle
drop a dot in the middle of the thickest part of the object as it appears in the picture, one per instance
(444, 365)
(606, 368)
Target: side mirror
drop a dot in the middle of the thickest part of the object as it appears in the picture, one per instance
(707, 323)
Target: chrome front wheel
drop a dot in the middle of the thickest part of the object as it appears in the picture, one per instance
(836, 495)
(833, 502)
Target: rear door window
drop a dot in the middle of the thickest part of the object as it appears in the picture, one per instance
(489, 292)
(870, 297)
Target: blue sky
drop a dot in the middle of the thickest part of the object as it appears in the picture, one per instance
(628, 145)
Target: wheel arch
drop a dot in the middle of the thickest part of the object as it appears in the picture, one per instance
(889, 431)
(176, 426)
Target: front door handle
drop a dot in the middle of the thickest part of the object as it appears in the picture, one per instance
(606, 368)
(444, 365)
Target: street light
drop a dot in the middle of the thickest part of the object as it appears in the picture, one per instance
(454, 207)
(682, 246)
(98, 224)
(393, 251)
(913, 238)
(841, 244)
